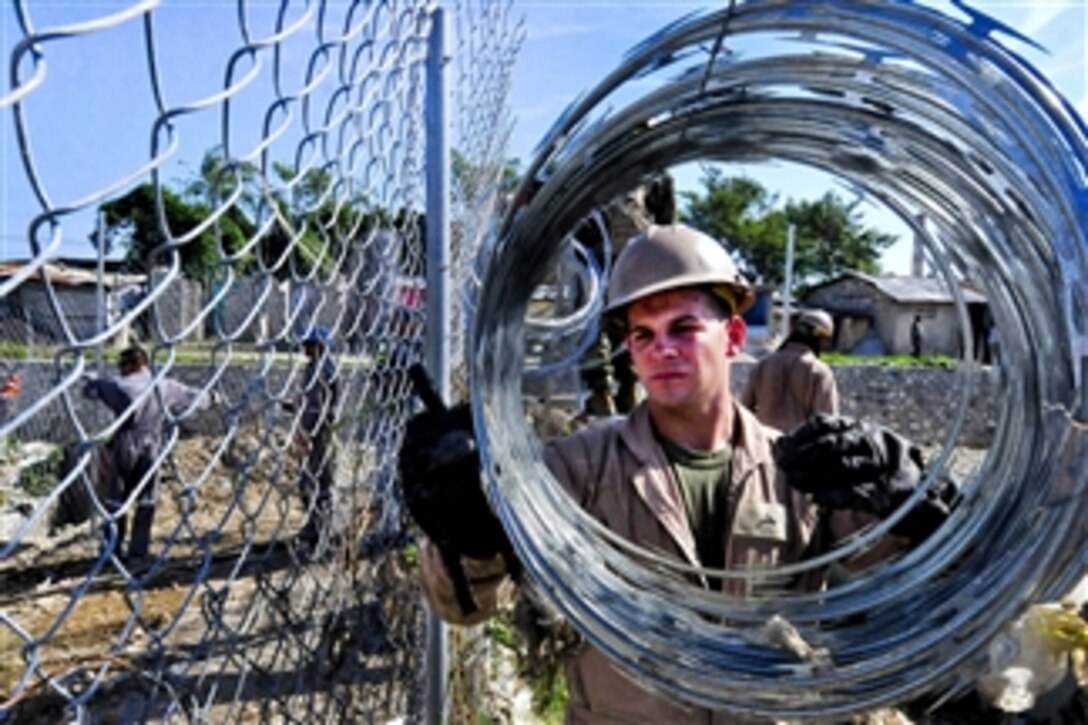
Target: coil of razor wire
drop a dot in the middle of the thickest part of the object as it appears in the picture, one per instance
(935, 116)
(563, 337)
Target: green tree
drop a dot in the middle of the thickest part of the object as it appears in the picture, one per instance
(313, 228)
(511, 176)
(218, 182)
(469, 179)
(132, 222)
(830, 238)
(829, 235)
(228, 188)
(307, 224)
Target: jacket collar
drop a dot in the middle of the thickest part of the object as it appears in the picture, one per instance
(752, 439)
(797, 349)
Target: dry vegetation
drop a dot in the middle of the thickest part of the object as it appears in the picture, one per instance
(229, 594)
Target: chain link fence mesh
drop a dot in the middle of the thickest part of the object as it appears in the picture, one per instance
(299, 215)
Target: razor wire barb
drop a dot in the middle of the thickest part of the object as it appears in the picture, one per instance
(278, 579)
(937, 119)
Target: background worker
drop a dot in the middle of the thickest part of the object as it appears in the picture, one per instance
(792, 384)
(916, 336)
(136, 446)
(689, 472)
(316, 432)
(607, 371)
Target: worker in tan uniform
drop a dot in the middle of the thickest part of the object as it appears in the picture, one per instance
(792, 384)
(689, 472)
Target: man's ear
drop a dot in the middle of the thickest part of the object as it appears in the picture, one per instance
(737, 332)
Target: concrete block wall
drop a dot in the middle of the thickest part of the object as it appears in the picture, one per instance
(251, 395)
(919, 403)
(54, 422)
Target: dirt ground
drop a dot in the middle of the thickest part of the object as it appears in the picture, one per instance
(233, 620)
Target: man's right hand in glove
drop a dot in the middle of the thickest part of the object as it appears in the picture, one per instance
(486, 582)
(439, 469)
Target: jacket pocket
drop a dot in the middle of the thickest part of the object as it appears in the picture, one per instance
(761, 521)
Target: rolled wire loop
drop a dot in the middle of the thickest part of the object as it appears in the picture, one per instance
(936, 118)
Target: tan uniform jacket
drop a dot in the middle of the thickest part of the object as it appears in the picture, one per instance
(619, 473)
(788, 386)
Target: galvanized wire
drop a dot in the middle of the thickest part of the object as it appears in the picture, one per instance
(488, 38)
(308, 141)
(938, 118)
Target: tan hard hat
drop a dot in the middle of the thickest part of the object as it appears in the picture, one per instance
(673, 256)
(818, 321)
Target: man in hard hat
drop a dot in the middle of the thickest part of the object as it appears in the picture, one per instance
(689, 472)
(137, 445)
(792, 384)
(606, 371)
(315, 434)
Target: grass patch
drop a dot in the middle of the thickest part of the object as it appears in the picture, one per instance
(16, 351)
(944, 362)
(183, 354)
(410, 557)
(546, 679)
(550, 701)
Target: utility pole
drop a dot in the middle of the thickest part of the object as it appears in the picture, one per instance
(787, 286)
(100, 301)
(918, 252)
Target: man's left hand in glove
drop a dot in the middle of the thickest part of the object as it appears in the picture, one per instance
(847, 464)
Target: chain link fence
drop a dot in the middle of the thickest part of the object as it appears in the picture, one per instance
(282, 203)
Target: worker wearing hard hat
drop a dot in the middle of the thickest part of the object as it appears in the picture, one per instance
(689, 472)
(792, 383)
(315, 433)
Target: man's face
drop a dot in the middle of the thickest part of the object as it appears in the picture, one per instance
(309, 349)
(680, 343)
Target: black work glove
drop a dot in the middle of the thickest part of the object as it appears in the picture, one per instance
(439, 468)
(844, 463)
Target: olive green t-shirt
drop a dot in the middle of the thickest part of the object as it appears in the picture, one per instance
(704, 483)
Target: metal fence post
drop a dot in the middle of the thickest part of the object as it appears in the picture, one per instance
(438, 297)
(101, 318)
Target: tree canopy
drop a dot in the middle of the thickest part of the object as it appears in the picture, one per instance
(829, 234)
(299, 227)
(132, 221)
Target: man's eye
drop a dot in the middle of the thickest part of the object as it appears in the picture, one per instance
(639, 338)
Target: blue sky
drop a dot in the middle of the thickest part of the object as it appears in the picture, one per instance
(92, 117)
(572, 45)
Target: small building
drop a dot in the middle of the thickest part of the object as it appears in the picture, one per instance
(30, 315)
(764, 321)
(874, 315)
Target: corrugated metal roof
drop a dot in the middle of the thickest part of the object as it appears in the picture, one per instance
(909, 290)
(71, 276)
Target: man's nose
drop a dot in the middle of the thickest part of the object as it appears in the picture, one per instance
(664, 345)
